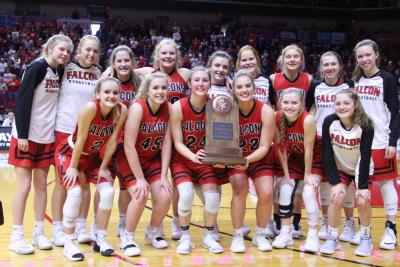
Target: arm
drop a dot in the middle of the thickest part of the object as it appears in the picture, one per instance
(310, 130)
(267, 135)
(367, 137)
(392, 101)
(310, 95)
(165, 161)
(328, 158)
(282, 154)
(143, 72)
(185, 73)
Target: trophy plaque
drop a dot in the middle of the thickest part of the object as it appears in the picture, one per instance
(222, 132)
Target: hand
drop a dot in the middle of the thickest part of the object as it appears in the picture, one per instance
(165, 185)
(199, 156)
(23, 145)
(390, 151)
(240, 167)
(105, 173)
(219, 165)
(70, 177)
(312, 180)
(286, 180)
(337, 191)
(108, 72)
(364, 193)
(141, 189)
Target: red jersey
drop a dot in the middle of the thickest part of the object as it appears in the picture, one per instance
(127, 92)
(281, 83)
(294, 142)
(177, 87)
(153, 127)
(193, 128)
(100, 130)
(250, 126)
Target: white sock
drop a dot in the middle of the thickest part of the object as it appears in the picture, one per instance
(39, 226)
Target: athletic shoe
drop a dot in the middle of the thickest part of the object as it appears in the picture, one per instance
(283, 240)
(330, 245)
(356, 239)
(245, 230)
(58, 238)
(185, 245)
(348, 231)
(101, 245)
(93, 232)
(176, 229)
(365, 247)
(121, 229)
(270, 231)
(297, 233)
(212, 245)
(72, 252)
(19, 244)
(237, 244)
(40, 241)
(82, 236)
(323, 230)
(129, 247)
(261, 241)
(311, 244)
(155, 238)
(388, 240)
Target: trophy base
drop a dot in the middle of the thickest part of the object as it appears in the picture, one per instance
(227, 160)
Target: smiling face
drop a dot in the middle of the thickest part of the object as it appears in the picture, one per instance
(200, 83)
(243, 88)
(167, 56)
(158, 90)
(108, 94)
(219, 70)
(89, 53)
(292, 60)
(123, 64)
(344, 106)
(330, 67)
(60, 53)
(248, 62)
(366, 58)
(291, 105)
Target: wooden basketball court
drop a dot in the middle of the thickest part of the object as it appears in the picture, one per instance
(168, 257)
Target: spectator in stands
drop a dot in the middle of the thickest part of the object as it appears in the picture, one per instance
(3, 92)
(9, 120)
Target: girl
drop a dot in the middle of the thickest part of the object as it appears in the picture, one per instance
(347, 137)
(378, 95)
(322, 96)
(291, 62)
(220, 65)
(295, 146)
(256, 122)
(188, 130)
(99, 125)
(32, 142)
(147, 144)
(77, 87)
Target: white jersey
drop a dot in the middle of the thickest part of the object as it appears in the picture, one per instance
(216, 90)
(262, 89)
(378, 95)
(77, 88)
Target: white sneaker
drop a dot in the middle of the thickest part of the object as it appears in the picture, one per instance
(348, 231)
(215, 233)
(237, 244)
(212, 245)
(40, 240)
(283, 240)
(58, 238)
(330, 245)
(129, 247)
(82, 236)
(176, 229)
(155, 238)
(356, 239)
(245, 230)
(261, 241)
(323, 230)
(388, 240)
(19, 244)
(93, 232)
(185, 245)
(365, 247)
(101, 245)
(297, 234)
(72, 252)
(311, 244)
(270, 230)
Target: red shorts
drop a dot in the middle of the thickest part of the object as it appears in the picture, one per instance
(88, 164)
(347, 179)
(384, 169)
(317, 166)
(187, 171)
(151, 169)
(60, 139)
(37, 156)
(222, 175)
(263, 167)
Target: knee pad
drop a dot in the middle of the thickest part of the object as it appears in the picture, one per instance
(199, 193)
(185, 202)
(349, 197)
(390, 198)
(71, 206)
(324, 192)
(285, 200)
(106, 192)
(212, 201)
